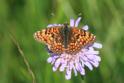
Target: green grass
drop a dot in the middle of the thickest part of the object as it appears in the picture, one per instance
(19, 19)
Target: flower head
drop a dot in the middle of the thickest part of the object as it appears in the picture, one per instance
(87, 56)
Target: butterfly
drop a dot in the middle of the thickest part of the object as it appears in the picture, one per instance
(64, 39)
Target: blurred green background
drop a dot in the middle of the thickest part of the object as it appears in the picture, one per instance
(19, 19)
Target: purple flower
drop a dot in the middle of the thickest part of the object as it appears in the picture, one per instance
(86, 57)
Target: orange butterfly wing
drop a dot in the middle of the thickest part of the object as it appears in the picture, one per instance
(79, 39)
(51, 37)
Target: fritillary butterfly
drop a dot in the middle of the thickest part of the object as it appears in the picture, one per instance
(60, 39)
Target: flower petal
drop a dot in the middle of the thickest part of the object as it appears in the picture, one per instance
(72, 22)
(57, 63)
(49, 60)
(62, 67)
(88, 65)
(75, 71)
(77, 22)
(97, 45)
(91, 52)
(82, 71)
(54, 68)
(68, 73)
(98, 58)
(85, 27)
(94, 63)
(68, 76)
(52, 25)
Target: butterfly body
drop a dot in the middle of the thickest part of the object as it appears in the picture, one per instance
(65, 33)
(60, 39)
